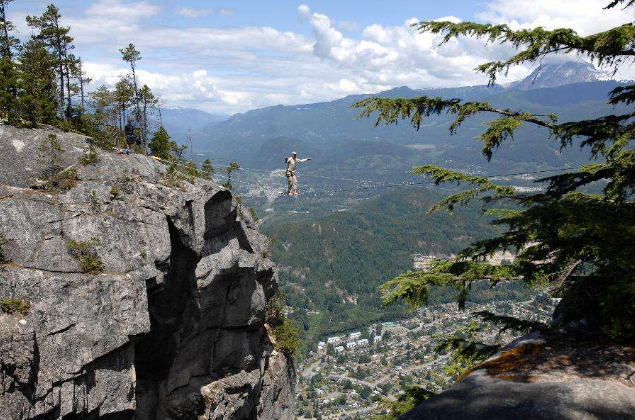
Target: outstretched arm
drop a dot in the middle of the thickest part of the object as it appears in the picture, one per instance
(304, 160)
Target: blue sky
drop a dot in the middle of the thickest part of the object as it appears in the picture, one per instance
(235, 55)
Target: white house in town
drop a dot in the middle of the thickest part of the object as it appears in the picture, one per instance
(354, 335)
(339, 349)
(333, 340)
(363, 342)
(351, 345)
(377, 339)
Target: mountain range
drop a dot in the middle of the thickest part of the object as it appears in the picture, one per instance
(329, 131)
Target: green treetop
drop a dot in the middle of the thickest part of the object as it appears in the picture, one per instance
(161, 145)
(579, 243)
(57, 39)
(38, 90)
(131, 55)
(207, 170)
(233, 166)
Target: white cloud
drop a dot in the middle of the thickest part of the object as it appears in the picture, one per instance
(585, 16)
(116, 9)
(225, 12)
(233, 69)
(348, 25)
(304, 11)
(194, 13)
(400, 55)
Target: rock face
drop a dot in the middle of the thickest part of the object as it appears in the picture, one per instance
(174, 326)
(538, 378)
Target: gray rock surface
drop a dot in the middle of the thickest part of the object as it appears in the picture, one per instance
(173, 328)
(542, 378)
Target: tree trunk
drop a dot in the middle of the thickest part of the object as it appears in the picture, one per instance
(145, 119)
(137, 109)
(69, 105)
(7, 45)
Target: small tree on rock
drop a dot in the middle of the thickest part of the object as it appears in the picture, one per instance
(161, 145)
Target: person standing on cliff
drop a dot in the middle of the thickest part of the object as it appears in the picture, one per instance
(292, 180)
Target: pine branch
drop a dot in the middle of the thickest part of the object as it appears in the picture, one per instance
(481, 185)
(413, 286)
(511, 323)
(390, 111)
(610, 47)
(620, 2)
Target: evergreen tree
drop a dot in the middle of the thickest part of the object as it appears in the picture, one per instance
(207, 170)
(124, 93)
(148, 102)
(82, 81)
(580, 243)
(233, 166)
(8, 71)
(161, 145)
(56, 37)
(131, 56)
(72, 89)
(105, 118)
(38, 91)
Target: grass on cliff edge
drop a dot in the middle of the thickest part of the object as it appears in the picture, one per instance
(15, 306)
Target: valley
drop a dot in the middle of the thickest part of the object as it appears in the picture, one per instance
(362, 372)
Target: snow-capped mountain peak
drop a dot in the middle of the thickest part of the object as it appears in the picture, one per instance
(553, 75)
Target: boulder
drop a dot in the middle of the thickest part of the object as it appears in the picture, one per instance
(555, 377)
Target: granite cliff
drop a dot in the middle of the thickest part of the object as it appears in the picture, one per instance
(147, 295)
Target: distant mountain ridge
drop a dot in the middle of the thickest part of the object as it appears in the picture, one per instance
(180, 122)
(330, 133)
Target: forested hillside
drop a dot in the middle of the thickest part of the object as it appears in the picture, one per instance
(333, 262)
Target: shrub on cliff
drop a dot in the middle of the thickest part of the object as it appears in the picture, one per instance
(53, 175)
(91, 157)
(3, 243)
(161, 145)
(286, 337)
(86, 254)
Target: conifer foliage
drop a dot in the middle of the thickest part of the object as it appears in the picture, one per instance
(577, 234)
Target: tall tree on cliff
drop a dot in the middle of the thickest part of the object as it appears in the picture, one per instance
(56, 37)
(37, 87)
(579, 242)
(82, 80)
(106, 117)
(148, 103)
(131, 56)
(8, 70)
(124, 93)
